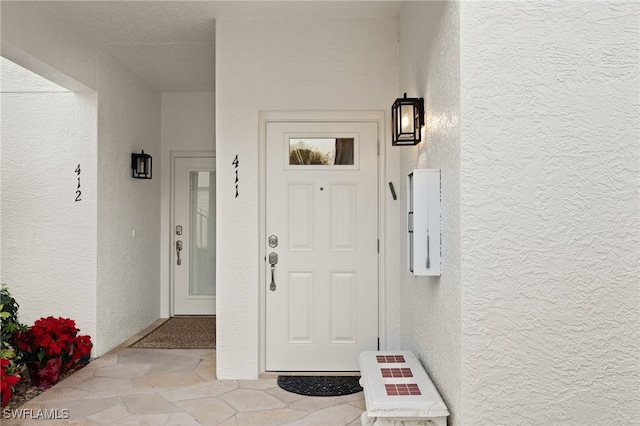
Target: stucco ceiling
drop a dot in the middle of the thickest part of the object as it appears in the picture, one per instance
(171, 44)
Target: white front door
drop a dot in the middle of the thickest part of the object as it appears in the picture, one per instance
(322, 206)
(194, 237)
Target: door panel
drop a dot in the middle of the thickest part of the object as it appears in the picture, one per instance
(321, 203)
(194, 211)
(300, 307)
(300, 214)
(343, 217)
(344, 307)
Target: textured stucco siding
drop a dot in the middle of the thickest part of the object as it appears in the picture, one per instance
(279, 64)
(48, 238)
(431, 306)
(127, 283)
(128, 296)
(550, 214)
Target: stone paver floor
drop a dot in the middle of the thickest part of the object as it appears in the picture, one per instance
(155, 387)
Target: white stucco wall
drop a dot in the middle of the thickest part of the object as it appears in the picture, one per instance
(128, 267)
(188, 124)
(17, 79)
(279, 64)
(550, 214)
(128, 119)
(431, 306)
(48, 238)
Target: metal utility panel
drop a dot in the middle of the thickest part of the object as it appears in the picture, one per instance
(423, 222)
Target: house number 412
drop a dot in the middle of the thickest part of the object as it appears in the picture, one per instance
(78, 192)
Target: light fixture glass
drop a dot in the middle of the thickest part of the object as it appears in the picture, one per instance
(141, 165)
(407, 119)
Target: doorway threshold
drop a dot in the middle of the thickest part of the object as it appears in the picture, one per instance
(275, 374)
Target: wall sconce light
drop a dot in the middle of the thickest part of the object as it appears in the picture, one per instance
(141, 165)
(407, 119)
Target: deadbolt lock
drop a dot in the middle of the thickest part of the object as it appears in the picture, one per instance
(273, 241)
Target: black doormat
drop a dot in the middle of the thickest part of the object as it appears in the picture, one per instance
(320, 385)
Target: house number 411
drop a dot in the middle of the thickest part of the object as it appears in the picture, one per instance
(236, 163)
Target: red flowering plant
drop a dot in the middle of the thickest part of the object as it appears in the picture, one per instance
(7, 380)
(80, 354)
(50, 338)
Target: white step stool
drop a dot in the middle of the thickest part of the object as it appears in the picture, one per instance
(398, 391)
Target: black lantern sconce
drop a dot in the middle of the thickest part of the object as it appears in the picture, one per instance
(407, 119)
(141, 165)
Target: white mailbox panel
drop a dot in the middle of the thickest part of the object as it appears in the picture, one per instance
(423, 222)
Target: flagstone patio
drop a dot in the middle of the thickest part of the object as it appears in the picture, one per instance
(131, 386)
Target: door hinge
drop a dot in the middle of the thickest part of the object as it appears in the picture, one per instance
(378, 245)
(378, 147)
(378, 343)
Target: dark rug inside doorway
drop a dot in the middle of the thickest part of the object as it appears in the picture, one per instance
(196, 332)
(320, 385)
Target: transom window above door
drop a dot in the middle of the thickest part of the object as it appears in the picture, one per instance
(322, 152)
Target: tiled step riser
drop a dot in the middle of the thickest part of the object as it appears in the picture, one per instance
(393, 388)
(399, 391)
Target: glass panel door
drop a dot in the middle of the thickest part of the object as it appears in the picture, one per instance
(202, 226)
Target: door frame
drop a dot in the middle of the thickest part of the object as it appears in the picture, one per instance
(265, 117)
(173, 155)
